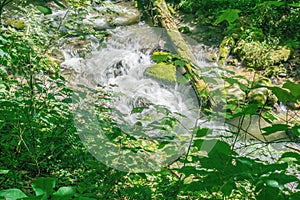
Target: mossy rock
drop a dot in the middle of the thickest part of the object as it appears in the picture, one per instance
(15, 23)
(262, 95)
(225, 49)
(260, 56)
(162, 71)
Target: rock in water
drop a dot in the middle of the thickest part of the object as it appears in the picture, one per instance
(162, 71)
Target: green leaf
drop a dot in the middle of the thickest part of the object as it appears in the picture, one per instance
(272, 183)
(201, 132)
(296, 130)
(44, 9)
(65, 192)
(43, 186)
(274, 128)
(229, 15)
(4, 171)
(251, 109)
(59, 4)
(12, 194)
(137, 110)
(274, 3)
(179, 63)
(4, 54)
(292, 87)
(290, 157)
(297, 5)
(282, 94)
(228, 187)
(160, 56)
(2, 39)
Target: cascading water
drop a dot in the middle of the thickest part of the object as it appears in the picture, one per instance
(120, 67)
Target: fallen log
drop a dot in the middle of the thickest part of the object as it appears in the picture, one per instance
(161, 15)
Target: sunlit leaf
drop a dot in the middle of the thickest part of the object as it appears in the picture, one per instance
(137, 110)
(65, 192)
(60, 4)
(44, 9)
(282, 94)
(296, 130)
(274, 128)
(4, 171)
(12, 194)
(272, 183)
(43, 186)
(201, 132)
(293, 87)
(179, 63)
(229, 15)
(160, 56)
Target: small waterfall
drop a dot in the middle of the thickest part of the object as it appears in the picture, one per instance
(120, 67)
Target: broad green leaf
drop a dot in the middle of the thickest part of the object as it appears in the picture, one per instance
(60, 4)
(272, 183)
(274, 3)
(44, 9)
(250, 109)
(160, 56)
(65, 192)
(43, 186)
(282, 94)
(2, 39)
(12, 194)
(297, 5)
(4, 171)
(296, 130)
(274, 128)
(137, 110)
(290, 157)
(4, 54)
(179, 63)
(293, 88)
(269, 117)
(229, 15)
(201, 132)
(228, 187)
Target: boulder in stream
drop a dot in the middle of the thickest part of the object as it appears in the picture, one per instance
(111, 15)
(259, 55)
(162, 71)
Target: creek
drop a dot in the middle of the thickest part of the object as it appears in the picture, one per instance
(119, 65)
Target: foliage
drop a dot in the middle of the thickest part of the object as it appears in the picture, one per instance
(43, 156)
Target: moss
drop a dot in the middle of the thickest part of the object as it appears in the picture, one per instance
(225, 48)
(259, 55)
(162, 71)
(262, 95)
(17, 24)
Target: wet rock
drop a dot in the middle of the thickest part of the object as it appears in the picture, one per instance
(112, 15)
(260, 56)
(73, 66)
(276, 70)
(118, 69)
(76, 47)
(262, 95)
(56, 56)
(233, 62)
(234, 92)
(211, 57)
(162, 71)
(225, 49)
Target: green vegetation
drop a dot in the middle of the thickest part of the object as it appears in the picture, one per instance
(43, 157)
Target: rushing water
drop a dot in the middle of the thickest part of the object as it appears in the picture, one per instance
(120, 67)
